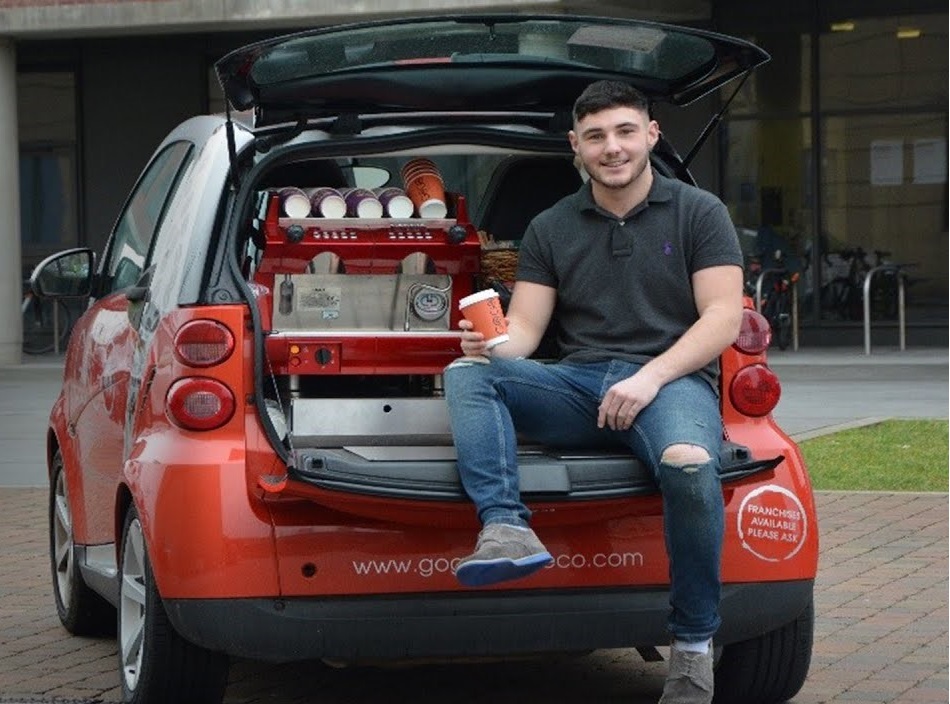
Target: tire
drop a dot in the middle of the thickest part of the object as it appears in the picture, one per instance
(81, 610)
(157, 665)
(769, 669)
(781, 320)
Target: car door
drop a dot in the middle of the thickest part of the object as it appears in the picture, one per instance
(98, 370)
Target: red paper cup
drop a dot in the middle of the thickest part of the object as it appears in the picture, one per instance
(483, 309)
(294, 203)
(327, 202)
(418, 165)
(428, 195)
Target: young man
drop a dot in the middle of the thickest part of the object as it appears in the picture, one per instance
(644, 275)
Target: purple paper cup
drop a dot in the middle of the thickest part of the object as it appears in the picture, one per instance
(294, 202)
(362, 203)
(396, 204)
(327, 202)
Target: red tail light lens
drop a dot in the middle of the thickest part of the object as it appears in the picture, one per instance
(755, 333)
(198, 403)
(755, 390)
(203, 343)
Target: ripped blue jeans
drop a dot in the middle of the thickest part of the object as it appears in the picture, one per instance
(556, 405)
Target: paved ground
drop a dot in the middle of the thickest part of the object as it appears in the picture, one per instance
(881, 597)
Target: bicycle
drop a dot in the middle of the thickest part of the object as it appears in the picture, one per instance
(776, 298)
(46, 323)
(843, 296)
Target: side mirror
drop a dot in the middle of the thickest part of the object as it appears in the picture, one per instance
(67, 274)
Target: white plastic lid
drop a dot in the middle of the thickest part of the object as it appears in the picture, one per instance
(477, 297)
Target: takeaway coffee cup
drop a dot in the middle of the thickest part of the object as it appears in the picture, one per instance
(362, 203)
(396, 204)
(327, 202)
(483, 309)
(294, 203)
(425, 188)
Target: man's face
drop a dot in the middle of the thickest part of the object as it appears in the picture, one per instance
(614, 145)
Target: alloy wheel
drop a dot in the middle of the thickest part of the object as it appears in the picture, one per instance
(132, 604)
(63, 553)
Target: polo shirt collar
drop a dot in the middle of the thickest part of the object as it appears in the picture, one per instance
(660, 191)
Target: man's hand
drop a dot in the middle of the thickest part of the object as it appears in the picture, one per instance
(473, 343)
(528, 315)
(625, 399)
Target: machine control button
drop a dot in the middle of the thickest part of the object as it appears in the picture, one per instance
(295, 233)
(456, 234)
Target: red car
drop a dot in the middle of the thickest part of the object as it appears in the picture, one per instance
(250, 455)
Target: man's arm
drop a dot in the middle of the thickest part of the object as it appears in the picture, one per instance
(717, 291)
(529, 313)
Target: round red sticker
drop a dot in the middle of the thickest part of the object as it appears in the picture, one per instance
(772, 523)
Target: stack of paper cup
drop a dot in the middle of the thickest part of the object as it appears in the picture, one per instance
(294, 203)
(396, 204)
(362, 203)
(326, 202)
(425, 187)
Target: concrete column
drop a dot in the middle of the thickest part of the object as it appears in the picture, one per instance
(11, 277)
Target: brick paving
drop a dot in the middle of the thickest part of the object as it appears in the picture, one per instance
(881, 628)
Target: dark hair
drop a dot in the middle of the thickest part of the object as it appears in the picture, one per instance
(609, 94)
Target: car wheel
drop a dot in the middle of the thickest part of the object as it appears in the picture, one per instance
(768, 669)
(156, 664)
(81, 610)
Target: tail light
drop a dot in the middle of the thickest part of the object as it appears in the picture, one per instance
(755, 390)
(755, 333)
(199, 403)
(203, 343)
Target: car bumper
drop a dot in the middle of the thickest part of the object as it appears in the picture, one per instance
(476, 625)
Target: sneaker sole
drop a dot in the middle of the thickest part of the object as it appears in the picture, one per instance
(481, 573)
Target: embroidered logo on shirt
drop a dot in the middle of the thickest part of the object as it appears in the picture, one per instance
(667, 248)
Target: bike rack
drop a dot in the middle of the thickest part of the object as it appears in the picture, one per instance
(866, 296)
(758, 301)
(55, 329)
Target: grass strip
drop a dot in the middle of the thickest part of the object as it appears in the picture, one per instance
(895, 455)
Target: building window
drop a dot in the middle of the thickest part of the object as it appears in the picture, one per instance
(49, 213)
(836, 150)
(883, 95)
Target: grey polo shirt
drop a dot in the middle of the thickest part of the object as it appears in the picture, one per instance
(624, 284)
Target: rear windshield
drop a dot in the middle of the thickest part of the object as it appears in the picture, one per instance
(652, 51)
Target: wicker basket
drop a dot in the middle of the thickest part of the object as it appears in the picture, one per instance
(499, 265)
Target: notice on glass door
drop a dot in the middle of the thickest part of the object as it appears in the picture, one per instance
(930, 161)
(887, 162)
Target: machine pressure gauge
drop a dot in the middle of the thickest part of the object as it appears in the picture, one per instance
(430, 305)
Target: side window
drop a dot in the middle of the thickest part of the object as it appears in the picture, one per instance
(143, 212)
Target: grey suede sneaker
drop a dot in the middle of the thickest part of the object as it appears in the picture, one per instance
(503, 552)
(690, 678)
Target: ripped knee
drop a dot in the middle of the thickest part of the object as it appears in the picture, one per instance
(467, 361)
(686, 457)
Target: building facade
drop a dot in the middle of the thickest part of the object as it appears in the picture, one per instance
(834, 153)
